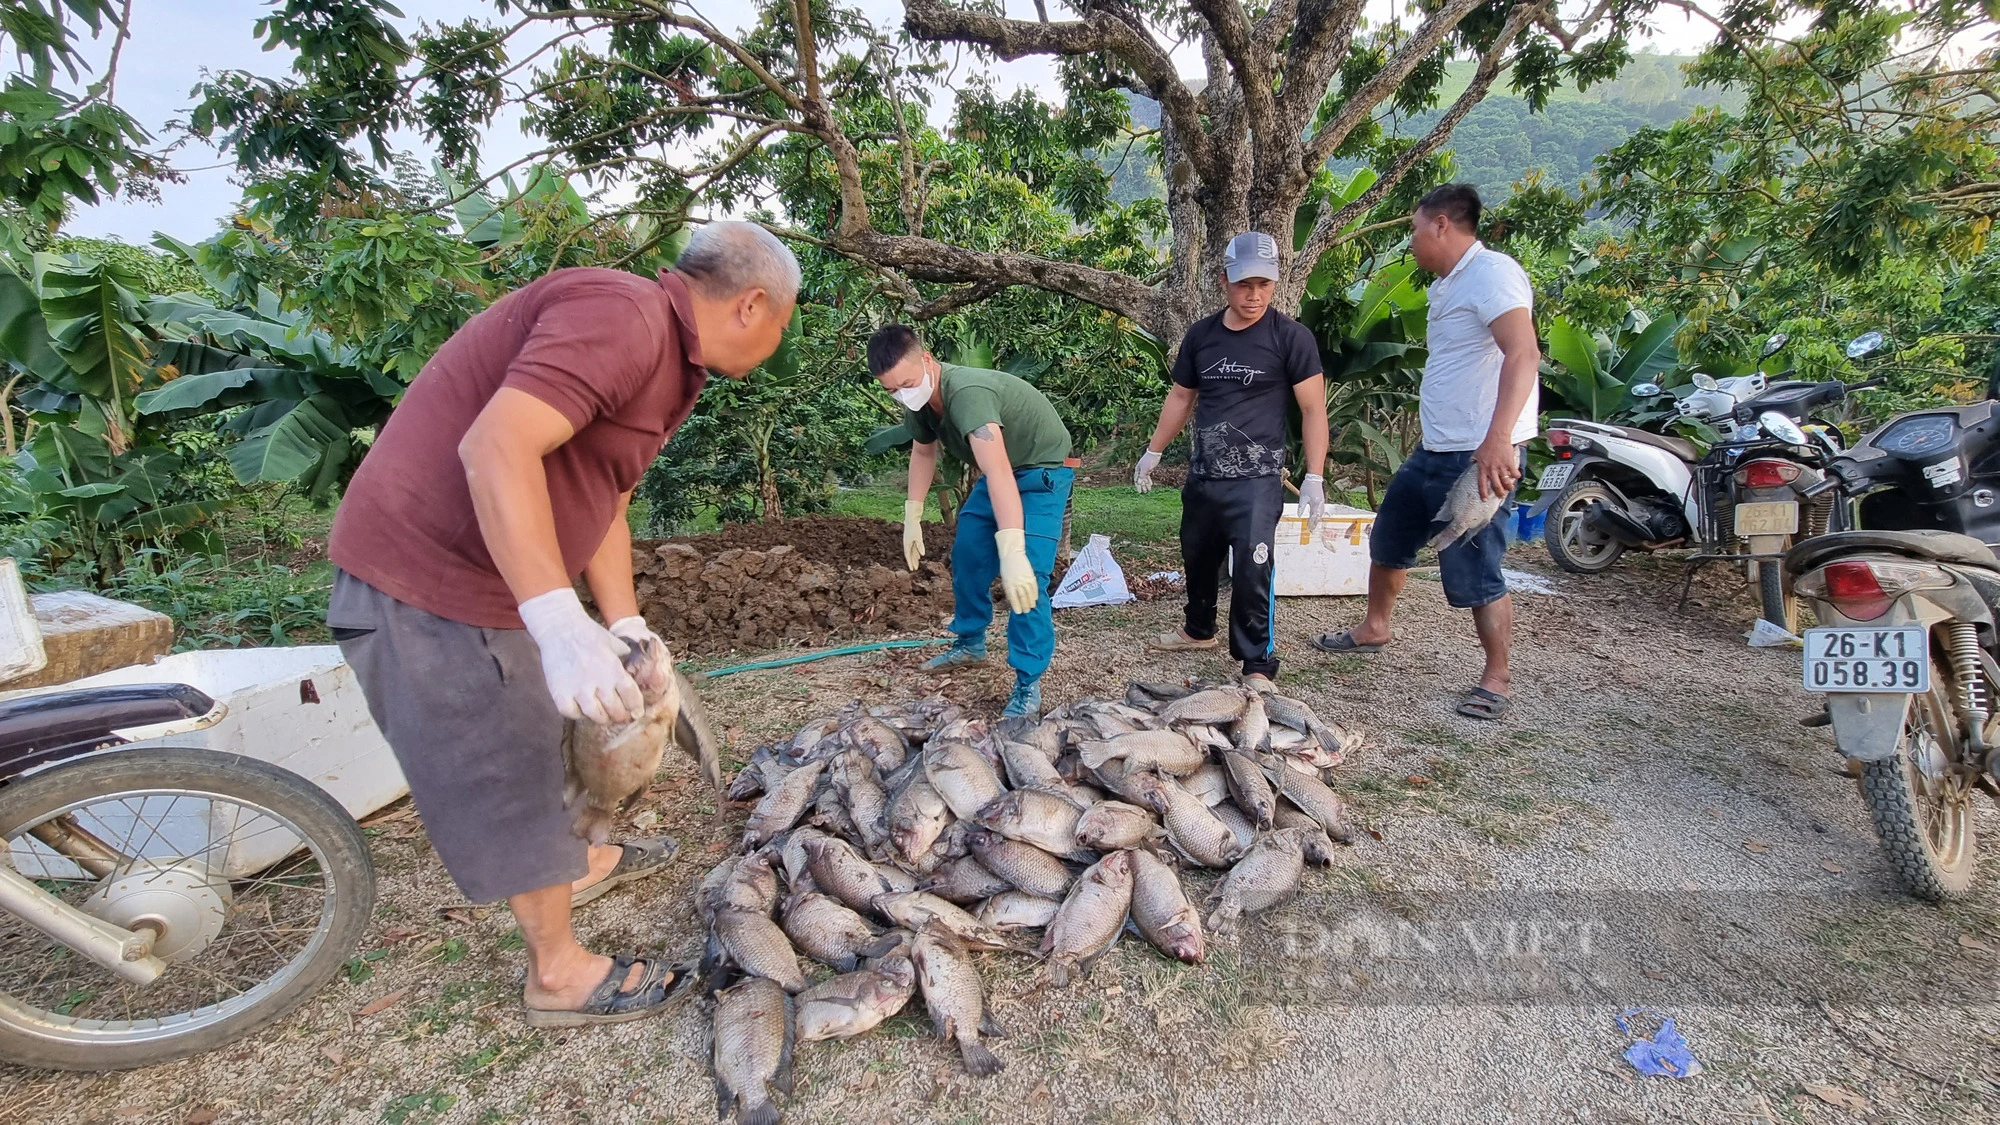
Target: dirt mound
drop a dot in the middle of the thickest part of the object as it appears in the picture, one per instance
(797, 581)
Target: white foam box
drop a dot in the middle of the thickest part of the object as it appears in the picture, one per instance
(1332, 564)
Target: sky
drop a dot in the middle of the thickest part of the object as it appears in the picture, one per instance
(175, 41)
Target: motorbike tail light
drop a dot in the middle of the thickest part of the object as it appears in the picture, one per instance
(1853, 590)
(1559, 438)
(1767, 472)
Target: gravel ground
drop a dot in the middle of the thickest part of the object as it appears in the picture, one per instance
(1650, 827)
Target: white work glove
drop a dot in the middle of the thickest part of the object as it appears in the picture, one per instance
(1142, 473)
(1312, 501)
(581, 660)
(1017, 574)
(913, 532)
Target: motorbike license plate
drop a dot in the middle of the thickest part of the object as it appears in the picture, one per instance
(1768, 517)
(1893, 658)
(1555, 475)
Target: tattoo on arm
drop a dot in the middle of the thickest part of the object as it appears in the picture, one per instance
(986, 432)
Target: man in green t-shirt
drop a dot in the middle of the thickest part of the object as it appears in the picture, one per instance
(1009, 526)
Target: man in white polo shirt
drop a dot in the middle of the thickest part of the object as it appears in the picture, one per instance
(1479, 400)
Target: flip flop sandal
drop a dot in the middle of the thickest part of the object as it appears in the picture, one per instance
(1342, 641)
(651, 995)
(1177, 641)
(637, 860)
(1482, 704)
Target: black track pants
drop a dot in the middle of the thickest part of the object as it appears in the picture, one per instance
(1233, 520)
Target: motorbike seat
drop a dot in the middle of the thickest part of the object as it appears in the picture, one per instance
(1679, 447)
(1930, 546)
(51, 725)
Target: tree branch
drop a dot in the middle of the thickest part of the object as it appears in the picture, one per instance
(1362, 105)
(956, 299)
(1320, 37)
(1327, 230)
(1100, 32)
(1230, 29)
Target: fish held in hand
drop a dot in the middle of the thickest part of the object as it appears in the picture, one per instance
(608, 766)
(1465, 511)
(753, 1050)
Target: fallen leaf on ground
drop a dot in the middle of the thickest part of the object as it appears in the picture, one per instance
(1839, 1097)
(131, 1111)
(382, 1003)
(202, 1116)
(718, 847)
(1831, 866)
(1970, 942)
(333, 1055)
(1757, 847)
(463, 915)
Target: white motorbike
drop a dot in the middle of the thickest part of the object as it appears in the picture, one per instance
(1614, 488)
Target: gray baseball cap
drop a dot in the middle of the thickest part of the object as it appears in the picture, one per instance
(1251, 255)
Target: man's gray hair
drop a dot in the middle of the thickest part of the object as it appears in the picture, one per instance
(723, 259)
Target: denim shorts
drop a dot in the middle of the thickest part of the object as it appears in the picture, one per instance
(1471, 570)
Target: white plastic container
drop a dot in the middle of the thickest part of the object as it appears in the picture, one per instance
(298, 708)
(1336, 564)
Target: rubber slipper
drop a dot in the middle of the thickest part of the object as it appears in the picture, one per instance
(1482, 704)
(660, 987)
(1342, 641)
(1178, 641)
(637, 860)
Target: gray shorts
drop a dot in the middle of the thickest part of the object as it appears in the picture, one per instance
(480, 741)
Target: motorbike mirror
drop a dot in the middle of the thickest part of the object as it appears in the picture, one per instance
(1781, 427)
(1705, 382)
(1772, 345)
(1645, 390)
(1863, 344)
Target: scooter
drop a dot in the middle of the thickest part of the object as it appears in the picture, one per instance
(158, 901)
(1615, 488)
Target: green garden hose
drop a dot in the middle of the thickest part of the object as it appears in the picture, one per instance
(809, 657)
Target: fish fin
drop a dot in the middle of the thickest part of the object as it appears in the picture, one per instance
(882, 945)
(782, 1079)
(990, 1027)
(979, 1062)
(763, 1113)
(1061, 971)
(724, 1098)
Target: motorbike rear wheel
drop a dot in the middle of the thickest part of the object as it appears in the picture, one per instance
(1574, 546)
(1781, 606)
(1922, 811)
(258, 884)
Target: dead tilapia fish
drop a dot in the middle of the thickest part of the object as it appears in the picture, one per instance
(1464, 511)
(608, 767)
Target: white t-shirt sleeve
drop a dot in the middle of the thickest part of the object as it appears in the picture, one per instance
(1506, 288)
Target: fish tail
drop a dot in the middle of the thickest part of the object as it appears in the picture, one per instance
(979, 1062)
(1062, 971)
(763, 1113)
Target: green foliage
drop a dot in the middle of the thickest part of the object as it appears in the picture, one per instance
(1594, 372)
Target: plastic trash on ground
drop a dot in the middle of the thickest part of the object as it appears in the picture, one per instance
(1766, 635)
(1520, 581)
(1665, 1054)
(1093, 578)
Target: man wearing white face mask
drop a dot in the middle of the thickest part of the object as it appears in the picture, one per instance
(1009, 525)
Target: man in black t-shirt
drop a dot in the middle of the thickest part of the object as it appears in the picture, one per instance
(1235, 372)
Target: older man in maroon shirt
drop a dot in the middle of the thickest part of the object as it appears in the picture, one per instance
(502, 476)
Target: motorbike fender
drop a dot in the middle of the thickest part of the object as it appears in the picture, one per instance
(1583, 462)
(1868, 728)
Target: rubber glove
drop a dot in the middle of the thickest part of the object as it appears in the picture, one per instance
(1312, 501)
(913, 532)
(581, 660)
(1017, 575)
(1142, 473)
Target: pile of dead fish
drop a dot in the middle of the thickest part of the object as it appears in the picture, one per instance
(889, 843)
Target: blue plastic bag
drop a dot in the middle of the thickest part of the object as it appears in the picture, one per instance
(1666, 1054)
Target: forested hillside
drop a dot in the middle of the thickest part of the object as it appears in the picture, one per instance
(1502, 138)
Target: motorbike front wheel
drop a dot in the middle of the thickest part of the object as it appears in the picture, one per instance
(1572, 544)
(1922, 810)
(257, 884)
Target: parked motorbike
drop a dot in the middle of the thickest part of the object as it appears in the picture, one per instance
(1613, 488)
(1905, 652)
(157, 901)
